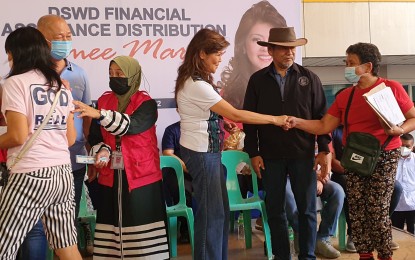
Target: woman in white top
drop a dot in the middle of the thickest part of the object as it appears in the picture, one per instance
(201, 110)
(40, 184)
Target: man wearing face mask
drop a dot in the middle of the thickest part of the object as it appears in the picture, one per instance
(59, 37)
(405, 211)
(368, 196)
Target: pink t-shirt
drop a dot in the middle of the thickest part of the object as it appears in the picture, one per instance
(362, 118)
(27, 94)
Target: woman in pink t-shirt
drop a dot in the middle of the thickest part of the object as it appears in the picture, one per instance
(369, 197)
(40, 184)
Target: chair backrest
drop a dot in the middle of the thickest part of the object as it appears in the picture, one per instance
(231, 158)
(173, 162)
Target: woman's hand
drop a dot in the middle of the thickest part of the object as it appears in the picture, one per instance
(230, 127)
(395, 130)
(280, 120)
(85, 110)
(102, 158)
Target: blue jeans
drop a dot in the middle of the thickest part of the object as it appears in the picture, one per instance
(332, 197)
(212, 215)
(35, 244)
(303, 184)
(396, 196)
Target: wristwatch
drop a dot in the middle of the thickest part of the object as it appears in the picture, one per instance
(103, 113)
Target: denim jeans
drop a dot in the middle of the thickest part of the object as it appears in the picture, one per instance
(332, 197)
(303, 184)
(211, 224)
(396, 196)
(35, 244)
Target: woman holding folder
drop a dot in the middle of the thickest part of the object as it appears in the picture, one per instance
(369, 197)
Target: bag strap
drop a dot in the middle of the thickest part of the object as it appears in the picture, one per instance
(29, 142)
(387, 141)
(346, 114)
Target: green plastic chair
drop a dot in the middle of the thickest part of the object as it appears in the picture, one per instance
(231, 159)
(342, 231)
(180, 209)
(85, 214)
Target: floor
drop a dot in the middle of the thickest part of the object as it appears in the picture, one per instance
(237, 249)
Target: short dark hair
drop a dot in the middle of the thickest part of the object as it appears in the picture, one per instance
(367, 52)
(407, 137)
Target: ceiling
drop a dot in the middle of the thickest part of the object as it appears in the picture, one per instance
(339, 61)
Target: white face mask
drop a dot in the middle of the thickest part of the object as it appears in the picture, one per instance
(405, 151)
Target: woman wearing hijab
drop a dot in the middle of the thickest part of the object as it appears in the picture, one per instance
(130, 213)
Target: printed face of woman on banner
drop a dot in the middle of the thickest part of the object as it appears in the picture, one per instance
(258, 55)
(249, 57)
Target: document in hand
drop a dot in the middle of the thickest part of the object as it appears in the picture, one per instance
(384, 103)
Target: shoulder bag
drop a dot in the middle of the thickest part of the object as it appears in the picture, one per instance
(362, 150)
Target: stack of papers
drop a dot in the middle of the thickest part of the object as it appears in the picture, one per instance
(384, 103)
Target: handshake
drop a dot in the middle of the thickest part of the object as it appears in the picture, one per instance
(286, 122)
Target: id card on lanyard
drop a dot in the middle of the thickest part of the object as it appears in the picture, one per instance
(117, 160)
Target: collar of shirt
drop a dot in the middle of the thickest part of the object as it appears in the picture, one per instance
(280, 79)
(68, 65)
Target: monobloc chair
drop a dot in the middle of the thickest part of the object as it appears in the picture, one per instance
(231, 159)
(180, 209)
(85, 214)
(342, 230)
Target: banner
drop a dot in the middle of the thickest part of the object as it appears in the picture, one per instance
(154, 32)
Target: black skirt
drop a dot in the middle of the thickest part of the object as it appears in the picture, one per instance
(139, 232)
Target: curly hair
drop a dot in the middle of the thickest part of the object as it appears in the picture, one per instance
(235, 76)
(208, 41)
(367, 52)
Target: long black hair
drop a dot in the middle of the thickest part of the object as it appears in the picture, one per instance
(30, 51)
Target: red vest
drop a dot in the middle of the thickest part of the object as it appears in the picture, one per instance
(140, 151)
(3, 155)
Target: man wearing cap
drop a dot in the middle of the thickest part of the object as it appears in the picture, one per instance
(287, 88)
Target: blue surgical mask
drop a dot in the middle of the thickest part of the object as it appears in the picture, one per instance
(350, 75)
(60, 49)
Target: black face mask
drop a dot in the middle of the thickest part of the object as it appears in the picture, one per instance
(119, 85)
